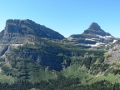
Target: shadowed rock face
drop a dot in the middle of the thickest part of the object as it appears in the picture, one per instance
(12, 26)
(18, 30)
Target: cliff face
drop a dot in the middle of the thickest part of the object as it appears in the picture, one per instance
(21, 31)
(113, 53)
(38, 55)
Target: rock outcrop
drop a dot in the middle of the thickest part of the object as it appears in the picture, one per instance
(113, 54)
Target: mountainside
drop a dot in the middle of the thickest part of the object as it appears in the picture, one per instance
(26, 31)
(93, 36)
(33, 56)
(114, 53)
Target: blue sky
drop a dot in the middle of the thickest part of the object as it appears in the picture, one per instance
(64, 16)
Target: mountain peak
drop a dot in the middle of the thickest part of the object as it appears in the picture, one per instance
(95, 29)
(21, 31)
(93, 36)
(94, 26)
(17, 25)
(18, 21)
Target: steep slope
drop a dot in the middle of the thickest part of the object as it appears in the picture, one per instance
(114, 53)
(23, 31)
(95, 29)
(93, 36)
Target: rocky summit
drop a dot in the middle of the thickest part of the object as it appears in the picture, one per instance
(93, 36)
(95, 29)
(22, 31)
(94, 26)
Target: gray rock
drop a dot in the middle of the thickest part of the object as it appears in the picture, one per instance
(94, 34)
(20, 31)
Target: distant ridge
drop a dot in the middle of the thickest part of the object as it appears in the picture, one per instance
(93, 36)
